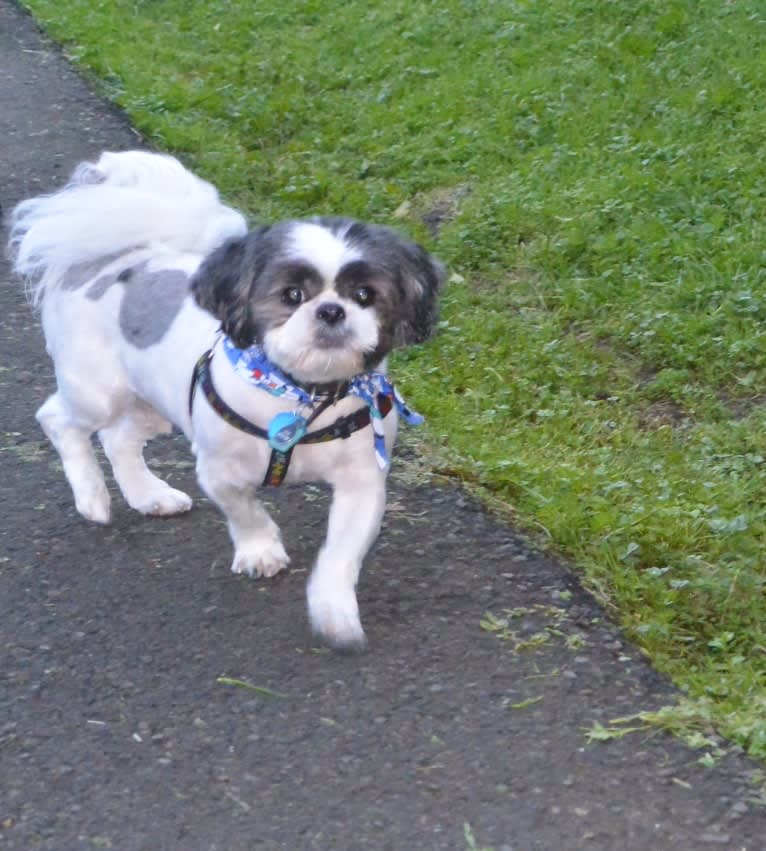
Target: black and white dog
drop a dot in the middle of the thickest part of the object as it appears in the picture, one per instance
(141, 273)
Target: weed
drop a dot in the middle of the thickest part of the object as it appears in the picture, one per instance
(528, 627)
(261, 691)
(470, 840)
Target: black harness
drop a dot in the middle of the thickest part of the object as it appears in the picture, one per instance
(279, 462)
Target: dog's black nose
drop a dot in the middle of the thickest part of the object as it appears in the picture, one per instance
(331, 313)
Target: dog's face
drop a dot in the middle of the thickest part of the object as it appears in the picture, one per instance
(325, 298)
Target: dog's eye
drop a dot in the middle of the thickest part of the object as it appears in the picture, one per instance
(293, 296)
(363, 296)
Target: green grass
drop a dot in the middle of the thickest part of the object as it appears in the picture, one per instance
(597, 168)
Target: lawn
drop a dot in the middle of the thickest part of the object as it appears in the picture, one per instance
(592, 173)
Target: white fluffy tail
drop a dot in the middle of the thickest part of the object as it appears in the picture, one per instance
(124, 201)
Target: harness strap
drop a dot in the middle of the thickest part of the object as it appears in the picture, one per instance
(202, 377)
(279, 462)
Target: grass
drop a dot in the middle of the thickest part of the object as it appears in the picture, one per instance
(470, 840)
(591, 171)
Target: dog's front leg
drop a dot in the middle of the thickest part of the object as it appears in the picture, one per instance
(258, 549)
(355, 517)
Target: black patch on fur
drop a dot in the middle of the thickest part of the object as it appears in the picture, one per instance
(150, 303)
(357, 273)
(81, 273)
(225, 282)
(299, 274)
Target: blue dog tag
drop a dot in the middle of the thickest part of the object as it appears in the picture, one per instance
(285, 430)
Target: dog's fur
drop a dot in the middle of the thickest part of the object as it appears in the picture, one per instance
(136, 265)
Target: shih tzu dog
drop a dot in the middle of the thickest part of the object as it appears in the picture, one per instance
(267, 349)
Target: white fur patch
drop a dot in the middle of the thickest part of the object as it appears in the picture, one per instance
(326, 251)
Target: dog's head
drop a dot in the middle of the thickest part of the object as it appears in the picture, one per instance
(326, 298)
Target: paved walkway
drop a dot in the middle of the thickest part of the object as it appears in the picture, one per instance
(116, 732)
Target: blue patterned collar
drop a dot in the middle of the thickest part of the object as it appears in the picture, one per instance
(253, 366)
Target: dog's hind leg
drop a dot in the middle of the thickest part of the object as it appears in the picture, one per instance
(123, 443)
(71, 437)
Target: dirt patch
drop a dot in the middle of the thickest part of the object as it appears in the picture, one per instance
(436, 208)
(742, 407)
(661, 414)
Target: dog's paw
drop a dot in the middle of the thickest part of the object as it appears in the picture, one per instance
(163, 502)
(261, 559)
(93, 502)
(334, 618)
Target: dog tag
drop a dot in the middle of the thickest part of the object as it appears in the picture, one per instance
(285, 430)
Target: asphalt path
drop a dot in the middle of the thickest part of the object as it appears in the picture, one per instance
(124, 719)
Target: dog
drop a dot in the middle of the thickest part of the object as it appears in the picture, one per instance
(266, 348)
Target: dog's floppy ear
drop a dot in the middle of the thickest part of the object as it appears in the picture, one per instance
(224, 283)
(421, 278)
